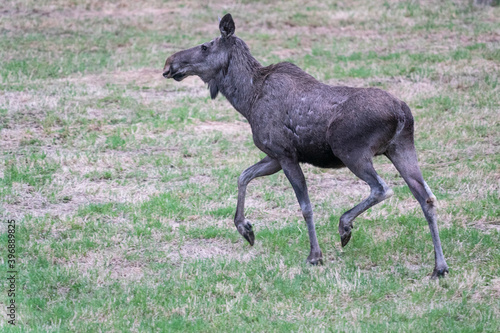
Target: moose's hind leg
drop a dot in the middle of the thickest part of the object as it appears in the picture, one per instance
(379, 191)
(405, 160)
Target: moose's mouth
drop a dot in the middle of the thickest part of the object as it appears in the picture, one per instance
(179, 76)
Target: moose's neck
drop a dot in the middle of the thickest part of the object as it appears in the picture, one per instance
(237, 84)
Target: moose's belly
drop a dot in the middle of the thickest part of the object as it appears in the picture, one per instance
(308, 142)
(304, 149)
(318, 155)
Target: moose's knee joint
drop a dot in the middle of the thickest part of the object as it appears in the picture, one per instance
(307, 211)
(431, 200)
(382, 193)
(242, 180)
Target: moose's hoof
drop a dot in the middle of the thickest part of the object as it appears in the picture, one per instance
(345, 238)
(245, 229)
(439, 272)
(344, 232)
(315, 259)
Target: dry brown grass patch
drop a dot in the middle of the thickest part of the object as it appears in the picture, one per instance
(199, 249)
(108, 264)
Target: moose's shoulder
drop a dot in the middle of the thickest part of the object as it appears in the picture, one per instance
(285, 69)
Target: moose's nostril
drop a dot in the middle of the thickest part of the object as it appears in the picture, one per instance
(167, 70)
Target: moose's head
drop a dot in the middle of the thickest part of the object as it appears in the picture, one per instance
(205, 60)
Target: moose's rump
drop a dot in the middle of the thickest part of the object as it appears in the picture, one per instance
(367, 122)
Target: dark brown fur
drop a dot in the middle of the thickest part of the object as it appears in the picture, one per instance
(297, 119)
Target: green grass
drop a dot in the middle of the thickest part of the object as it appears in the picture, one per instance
(124, 185)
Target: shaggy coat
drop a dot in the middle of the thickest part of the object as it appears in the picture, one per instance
(297, 119)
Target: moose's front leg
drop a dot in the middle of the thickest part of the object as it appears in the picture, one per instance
(265, 167)
(296, 177)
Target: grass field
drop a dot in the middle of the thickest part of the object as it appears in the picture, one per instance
(123, 185)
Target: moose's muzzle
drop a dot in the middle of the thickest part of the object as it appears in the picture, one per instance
(171, 70)
(167, 70)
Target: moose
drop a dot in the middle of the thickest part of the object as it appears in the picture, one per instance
(296, 119)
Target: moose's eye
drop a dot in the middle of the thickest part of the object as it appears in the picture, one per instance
(204, 48)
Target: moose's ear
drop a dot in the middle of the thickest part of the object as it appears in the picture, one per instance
(226, 26)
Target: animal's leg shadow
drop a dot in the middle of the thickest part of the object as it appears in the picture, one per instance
(296, 177)
(265, 167)
(379, 191)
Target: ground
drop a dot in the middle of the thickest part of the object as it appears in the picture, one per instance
(123, 184)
